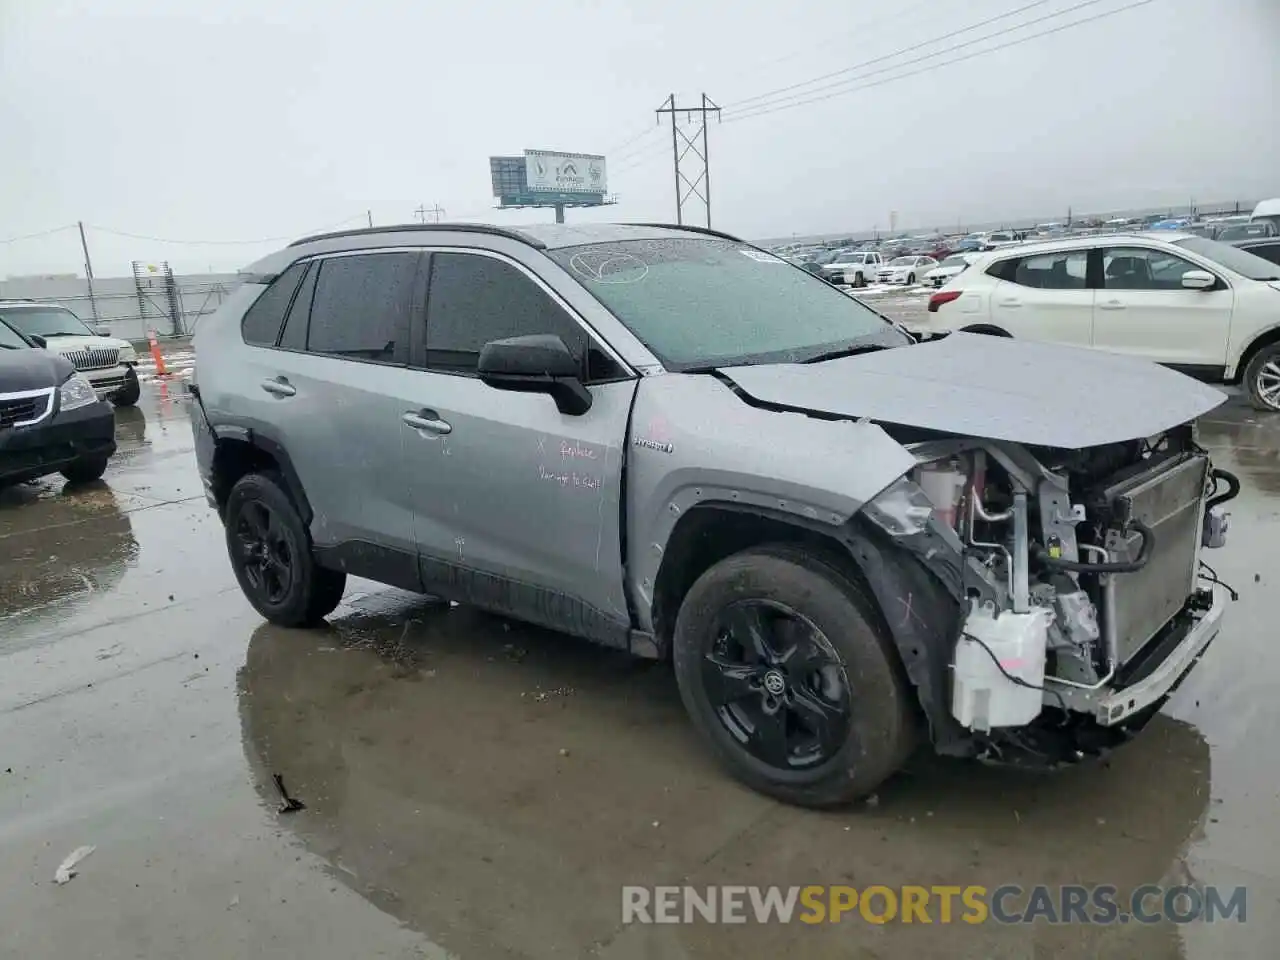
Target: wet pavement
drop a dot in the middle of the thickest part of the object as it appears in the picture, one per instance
(480, 789)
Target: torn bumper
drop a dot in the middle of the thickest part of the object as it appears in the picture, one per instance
(1111, 706)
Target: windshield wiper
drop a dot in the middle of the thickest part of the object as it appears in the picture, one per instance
(62, 333)
(851, 350)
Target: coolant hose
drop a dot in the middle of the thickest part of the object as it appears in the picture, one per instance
(1130, 566)
(1233, 488)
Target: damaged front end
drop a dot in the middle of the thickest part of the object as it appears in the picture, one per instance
(1077, 575)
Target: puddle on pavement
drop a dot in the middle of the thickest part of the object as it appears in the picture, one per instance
(451, 762)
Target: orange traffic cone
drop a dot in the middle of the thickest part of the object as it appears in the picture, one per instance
(157, 356)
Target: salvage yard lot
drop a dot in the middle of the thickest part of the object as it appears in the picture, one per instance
(475, 787)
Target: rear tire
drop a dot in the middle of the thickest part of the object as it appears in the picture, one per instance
(85, 471)
(853, 689)
(128, 394)
(270, 551)
(1262, 379)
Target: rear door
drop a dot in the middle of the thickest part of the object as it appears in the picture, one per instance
(334, 391)
(517, 505)
(1142, 309)
(1045, 297)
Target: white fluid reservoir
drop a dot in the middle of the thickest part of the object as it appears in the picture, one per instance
(982, 696)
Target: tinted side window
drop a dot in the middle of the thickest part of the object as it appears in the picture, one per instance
(1136, 268)
(294, 336)
(1267, 251)
(1066, 270)
(1003, 269)
(261, 323)
(473, 299)
(361, 307)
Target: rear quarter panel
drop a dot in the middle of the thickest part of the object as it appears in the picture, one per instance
(693, 441)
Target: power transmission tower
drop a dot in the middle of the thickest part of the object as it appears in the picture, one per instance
(697, 183)
(435, 212)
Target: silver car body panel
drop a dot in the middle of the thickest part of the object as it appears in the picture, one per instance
(991, 387)
(693, 441)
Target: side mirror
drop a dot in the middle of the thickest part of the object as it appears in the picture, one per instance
(1199, 280)
(38, 340)
(538, 363)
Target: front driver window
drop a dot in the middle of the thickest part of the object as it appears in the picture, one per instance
(1137, 268)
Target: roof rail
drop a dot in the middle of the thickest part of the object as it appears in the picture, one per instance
(692, 229)
(425, 228)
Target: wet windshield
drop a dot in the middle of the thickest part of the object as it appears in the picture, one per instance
(709, 302)
(47, 322)
(1233, 258)
(10, 340)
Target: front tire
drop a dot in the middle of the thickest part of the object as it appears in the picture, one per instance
(86, 470)
(128, 394)
(784, 667)
(270, 551)
(1262, 379)
(911, 279)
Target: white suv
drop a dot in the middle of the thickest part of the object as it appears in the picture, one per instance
(1207, 308)
(107, 363)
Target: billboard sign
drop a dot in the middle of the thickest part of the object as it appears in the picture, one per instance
(547, 171)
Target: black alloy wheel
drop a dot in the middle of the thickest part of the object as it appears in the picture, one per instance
(777, 685)
(265, 555)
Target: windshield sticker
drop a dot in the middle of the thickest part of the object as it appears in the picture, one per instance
(609, 267)
(759, 256)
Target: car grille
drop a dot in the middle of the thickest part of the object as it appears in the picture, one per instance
(1170, 501)
(94, 358)
(16, 410)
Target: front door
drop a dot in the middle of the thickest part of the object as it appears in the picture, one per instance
(1142, 309)
(517, 507)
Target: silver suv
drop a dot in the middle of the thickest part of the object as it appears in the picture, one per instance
(671, 442)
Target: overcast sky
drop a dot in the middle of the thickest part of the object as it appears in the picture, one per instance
(195, 120)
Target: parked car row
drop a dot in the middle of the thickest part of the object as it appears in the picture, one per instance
(1208, 308)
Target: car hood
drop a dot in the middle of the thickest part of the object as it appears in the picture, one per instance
(31, 369)
(991, 387)
(66, 344)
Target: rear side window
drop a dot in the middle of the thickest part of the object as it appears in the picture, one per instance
(294, 336)
(361, 307)
(261, 323)
(1063, 270)
(473, 299)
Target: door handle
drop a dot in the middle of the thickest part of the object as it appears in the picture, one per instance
(1111, 305)
(427, 420)
(279, 387)
(1010, 302)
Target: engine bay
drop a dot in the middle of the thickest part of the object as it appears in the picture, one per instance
(1073, 562)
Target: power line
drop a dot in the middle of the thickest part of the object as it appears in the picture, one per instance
(775, 107)
(860, 31)
(41, 233)
(889, 56)
(233, 243)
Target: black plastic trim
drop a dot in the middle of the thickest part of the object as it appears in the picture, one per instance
(690, 228)
(361, 558)
(483, 228)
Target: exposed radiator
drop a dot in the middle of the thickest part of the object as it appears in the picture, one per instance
(1170, 500)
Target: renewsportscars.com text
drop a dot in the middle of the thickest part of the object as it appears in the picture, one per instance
(1009, 904)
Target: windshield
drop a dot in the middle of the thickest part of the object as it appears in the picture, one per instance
(1233, 258)
(955, 262)
(902, 262)
(10, 340)
(47, 322)
(704, 302)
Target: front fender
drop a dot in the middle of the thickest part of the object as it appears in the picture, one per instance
(693, 440)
